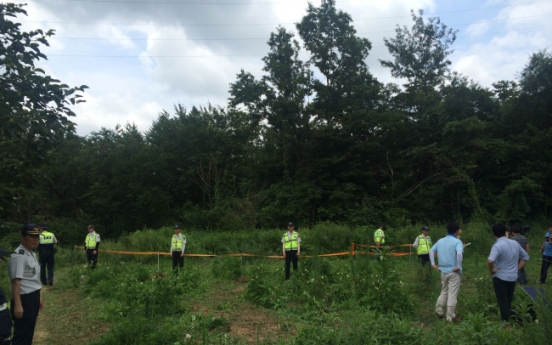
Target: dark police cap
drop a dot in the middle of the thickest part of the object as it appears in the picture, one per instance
(425, 228)
(30, 229)
(177, 227)
(291, 224)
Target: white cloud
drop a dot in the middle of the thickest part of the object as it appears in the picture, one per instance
(136, 89)
(477, 29)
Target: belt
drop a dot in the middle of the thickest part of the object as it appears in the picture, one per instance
(3, 306)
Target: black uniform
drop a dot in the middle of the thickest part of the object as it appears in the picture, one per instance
(46, 252)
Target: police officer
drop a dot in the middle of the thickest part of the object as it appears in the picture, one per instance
(291, 248)
(423, 245)
(92, 246)
(46, 253)
(379, 236)
(6, 323)
(178, 246)
(24, 272)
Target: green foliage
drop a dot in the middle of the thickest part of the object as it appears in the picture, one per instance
(34, 111)
(227, 268)
(315, 139)
(365, 327)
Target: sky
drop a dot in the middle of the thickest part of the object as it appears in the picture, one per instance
(141, 57)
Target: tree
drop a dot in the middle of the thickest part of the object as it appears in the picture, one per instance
(34, 107)
(421, 53)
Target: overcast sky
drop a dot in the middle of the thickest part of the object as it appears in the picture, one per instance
(140, 57)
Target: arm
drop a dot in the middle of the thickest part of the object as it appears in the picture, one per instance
(16, 295)
(432, 259)
(492, 270)
(183, 246)
(415, 245)
(459, 258)
(521, 264)
(283, 248)
(298, 248)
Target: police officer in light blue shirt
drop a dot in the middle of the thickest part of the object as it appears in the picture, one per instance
(24, 272)
(505, 260)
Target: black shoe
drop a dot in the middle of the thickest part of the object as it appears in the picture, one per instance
(51, 283)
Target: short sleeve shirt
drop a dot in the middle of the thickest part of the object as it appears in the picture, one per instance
(447, 248)
(522, 240)
(23, 265)
(505, 254)
(547, 246)
(289, 236)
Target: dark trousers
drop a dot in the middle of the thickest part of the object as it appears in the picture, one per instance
(92, 258)
(424, 258)
(177, 259)
(522, 276)
(23, 329)
(46, 262)
(504, 292)
(291, 256)
(546, 262)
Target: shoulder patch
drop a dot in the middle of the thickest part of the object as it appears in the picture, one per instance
(21, 251)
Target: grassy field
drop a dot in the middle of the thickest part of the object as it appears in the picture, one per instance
(129, 299)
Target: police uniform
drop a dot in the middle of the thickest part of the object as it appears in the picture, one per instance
(178, 246)
(291, 246)
(46, 253)
(23, 265)
(5, 320)
(423, 245)
(379, 237)
(91, 245)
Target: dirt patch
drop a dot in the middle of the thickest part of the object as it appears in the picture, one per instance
(245, 320)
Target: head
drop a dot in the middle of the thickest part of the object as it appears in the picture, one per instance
(42, 227)
(290, 226)
(30, 236)
(499, 230)
(90, 228)
(515, 229)
(453, 228)
(425, 230)
(177, 229)
(380, 226)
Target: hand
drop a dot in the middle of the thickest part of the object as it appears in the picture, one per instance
(493, 271)
(284, 254)
(18, 312)
(436, 267)
(298, 253)
(41, 305)
(455, 269)
(95, 252)
(182, 255)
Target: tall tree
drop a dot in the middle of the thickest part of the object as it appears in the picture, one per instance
(34, 107)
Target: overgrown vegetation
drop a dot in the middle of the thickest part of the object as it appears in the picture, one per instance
(329, 300)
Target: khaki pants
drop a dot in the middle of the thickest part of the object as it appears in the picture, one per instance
(450, 285)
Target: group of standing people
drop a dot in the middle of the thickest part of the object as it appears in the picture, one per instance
(27, 277)
(505, 262)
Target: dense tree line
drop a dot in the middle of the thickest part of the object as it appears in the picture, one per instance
(316, 140)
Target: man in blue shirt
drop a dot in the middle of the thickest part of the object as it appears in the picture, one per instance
(505, 260)
(546, 251)
(450, 251)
